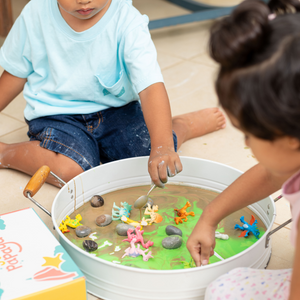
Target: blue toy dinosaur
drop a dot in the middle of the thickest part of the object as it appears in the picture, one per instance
(248, 227)
(124, 210)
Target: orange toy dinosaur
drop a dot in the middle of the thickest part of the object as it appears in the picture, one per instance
(182, 214)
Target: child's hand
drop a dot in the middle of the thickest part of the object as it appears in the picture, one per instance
(163, 163)
(201, 243)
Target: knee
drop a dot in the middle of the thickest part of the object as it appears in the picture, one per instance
(66, 170)
(70, 173)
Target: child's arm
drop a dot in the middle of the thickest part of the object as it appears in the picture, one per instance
(254, 185)
(10, 87)
(157, 114)
(295, 284)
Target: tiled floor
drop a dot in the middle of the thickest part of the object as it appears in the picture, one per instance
(189, 75)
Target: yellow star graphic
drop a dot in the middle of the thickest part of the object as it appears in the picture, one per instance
(53, 261)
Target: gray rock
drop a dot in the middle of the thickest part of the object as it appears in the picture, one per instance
(103, 220)
(122, 229)
(89, 245)
(172, 242)
(172, 230)
(82, 231)
(97, 201)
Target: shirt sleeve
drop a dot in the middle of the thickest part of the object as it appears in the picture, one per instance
(141, 57)
(15, 52)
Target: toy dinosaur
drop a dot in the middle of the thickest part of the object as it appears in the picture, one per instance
(182, 213)
(187, 265)
(154, 217)
(124, 210)
(133, 223)
(73, 223)
(131, 251)
(63, 227)
(252, 227)
(143, 253)
(138, 236)
(221, 236)
(134, 252)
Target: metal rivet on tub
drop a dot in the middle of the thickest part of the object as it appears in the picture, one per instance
(71, 191)
(268, 212)
(268, 206)
(72, 197)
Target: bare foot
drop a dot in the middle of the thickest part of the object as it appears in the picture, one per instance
(198, 123)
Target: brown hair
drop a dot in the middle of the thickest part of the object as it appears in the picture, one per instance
(259, 77)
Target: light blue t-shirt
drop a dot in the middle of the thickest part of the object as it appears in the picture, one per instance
(71, 72)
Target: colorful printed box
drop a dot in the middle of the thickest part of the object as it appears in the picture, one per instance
(33, 265)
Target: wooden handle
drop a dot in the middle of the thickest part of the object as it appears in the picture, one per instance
(36, 181)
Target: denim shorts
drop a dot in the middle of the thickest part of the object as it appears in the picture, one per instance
(104, 136)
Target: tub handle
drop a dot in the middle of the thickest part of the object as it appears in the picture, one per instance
(277, 228)
(36, 182)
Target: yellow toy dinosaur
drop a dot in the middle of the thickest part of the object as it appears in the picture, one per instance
(63, 227)
(73, 223)
(133, 223)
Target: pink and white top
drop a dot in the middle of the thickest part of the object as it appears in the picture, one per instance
(291, 192)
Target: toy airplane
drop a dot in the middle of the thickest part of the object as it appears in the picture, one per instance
(248, 227)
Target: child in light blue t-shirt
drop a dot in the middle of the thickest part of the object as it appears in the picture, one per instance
(94, 91)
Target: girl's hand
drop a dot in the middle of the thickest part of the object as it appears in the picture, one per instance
(163, 162)
(201, 243)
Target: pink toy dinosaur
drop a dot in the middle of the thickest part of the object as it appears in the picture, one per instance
(145, 256)
(138, 236)
(131, 251)
(134, 252)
